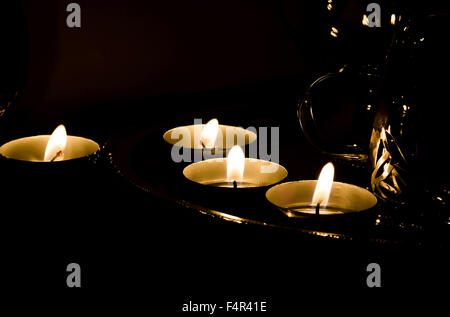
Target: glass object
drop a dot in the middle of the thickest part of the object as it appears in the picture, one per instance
(337, 112)
(407, 152)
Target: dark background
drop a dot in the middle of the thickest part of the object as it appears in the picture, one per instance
(133, 63)
(136, 49)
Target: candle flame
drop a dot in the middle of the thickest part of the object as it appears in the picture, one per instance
(56, 145)
(235, 164)
(393, 19)
(209, 134)
(323, 187)
(365, 20)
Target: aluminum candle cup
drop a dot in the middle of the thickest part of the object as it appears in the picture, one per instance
(209, 182)
(294, 199)
(32, 149)
(189, 136)
(22, 162)
(257, 173)
(186, 141)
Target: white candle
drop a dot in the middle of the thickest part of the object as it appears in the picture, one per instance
(210, 135)
(246, 172)
(303, 197)
(33, 148)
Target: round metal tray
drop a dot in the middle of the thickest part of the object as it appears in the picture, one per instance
(142, 157)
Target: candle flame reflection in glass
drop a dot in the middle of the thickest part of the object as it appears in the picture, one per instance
(323, 187)
(235, 164)
(209, 134)
(334, 32)
(56, 145)
(365, 20)
(393, 19)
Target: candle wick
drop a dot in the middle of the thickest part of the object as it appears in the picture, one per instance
(234, 184)
(58, 154)
(203, 144)
(318, 209)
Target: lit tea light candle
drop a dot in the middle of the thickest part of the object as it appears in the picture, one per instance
(49, 148)
(210, 135)
(323, 197)
(235, 171)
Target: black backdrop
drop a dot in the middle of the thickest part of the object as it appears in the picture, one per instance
(135, 62)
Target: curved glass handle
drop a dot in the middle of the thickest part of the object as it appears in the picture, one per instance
(336, 115)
